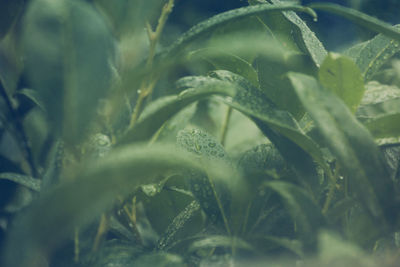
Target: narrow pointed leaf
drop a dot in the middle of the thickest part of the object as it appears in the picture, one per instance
(305, 37)
(159, 111)
(207, 26)
(352, 145)
(280, 127)
(371, 55)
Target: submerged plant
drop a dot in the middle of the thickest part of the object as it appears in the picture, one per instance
(242, 142)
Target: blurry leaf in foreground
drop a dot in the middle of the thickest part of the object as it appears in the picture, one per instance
(73, 47)
(55, 215)
(336, 252)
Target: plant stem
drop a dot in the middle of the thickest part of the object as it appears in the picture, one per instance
(100, 232)
(225, 124)
(333, 178)
(147, 87)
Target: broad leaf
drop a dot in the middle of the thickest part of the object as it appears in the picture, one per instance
(352, 145)
(70, 41)
(341, 76)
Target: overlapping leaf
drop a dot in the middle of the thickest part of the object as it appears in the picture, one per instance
(54, 216)
(159, 111)
(352, 145)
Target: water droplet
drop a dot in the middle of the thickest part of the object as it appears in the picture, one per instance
(211, 144)
(139, 91)
(213, 152)
(341, 177)
(130, 225)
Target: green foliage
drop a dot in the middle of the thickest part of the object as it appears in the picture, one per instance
(116, 149)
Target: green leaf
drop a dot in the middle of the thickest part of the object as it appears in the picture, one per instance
(177, 226)
(359, 18)
(56, 214)
(384, 126)
(27, 181)
(9, 12)
(340, 75)
(296, 147)
(162, 109)
(73, 47)
(214, 197)
(352, 145)
(305, 38)
(371, 55)
(211, 24)
(304, 211)
(380, 110)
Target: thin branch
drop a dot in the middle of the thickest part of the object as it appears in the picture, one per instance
(147, 87)
(225, 124)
